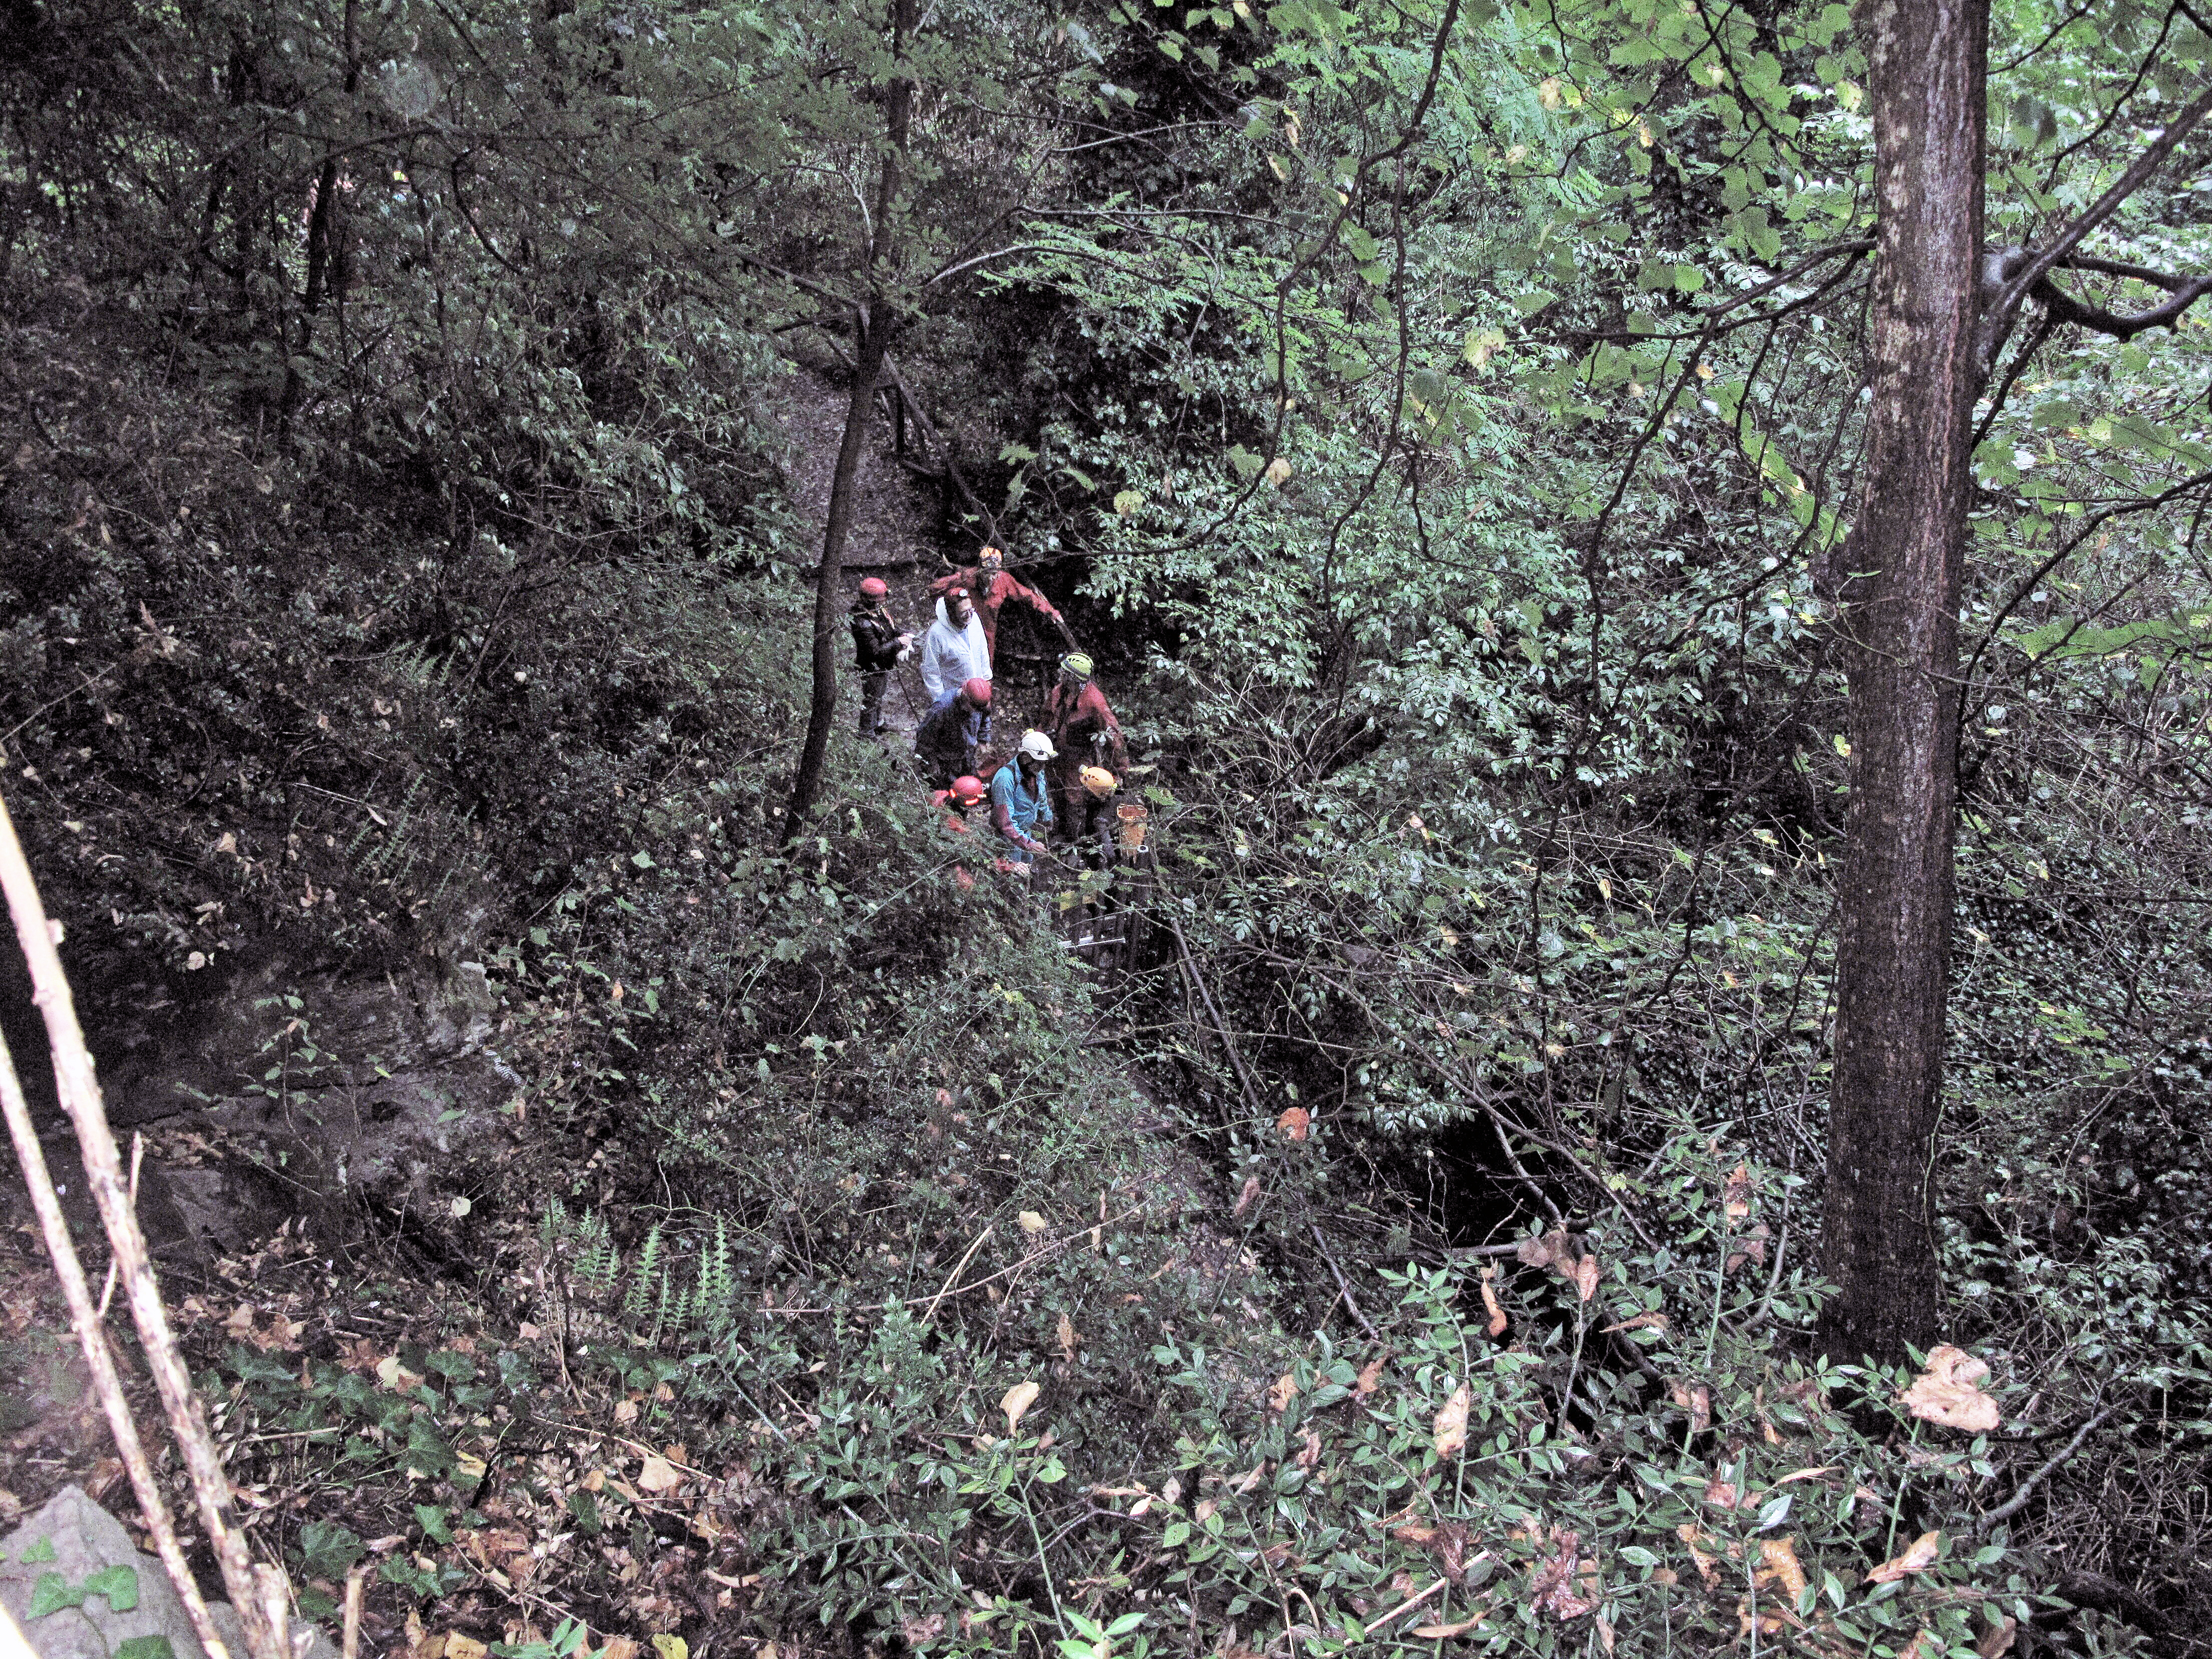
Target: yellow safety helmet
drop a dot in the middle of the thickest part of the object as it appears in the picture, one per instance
(1100, 782)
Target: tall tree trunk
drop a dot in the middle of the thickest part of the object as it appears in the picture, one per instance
(870, 341)
(1927, 67)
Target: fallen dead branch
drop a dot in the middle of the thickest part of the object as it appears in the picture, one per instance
(258, 1593)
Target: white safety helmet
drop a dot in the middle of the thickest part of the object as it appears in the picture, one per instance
(1037, 746)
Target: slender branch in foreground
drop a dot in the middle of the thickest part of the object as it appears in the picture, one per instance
(1337, 1274)
(2018, 1501)
(258, 1593)
(92, 1336)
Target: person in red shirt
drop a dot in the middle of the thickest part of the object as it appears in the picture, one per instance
(1081, 725)
(990, 584)
(965, 795)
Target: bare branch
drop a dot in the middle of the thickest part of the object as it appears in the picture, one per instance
(1996, 322)
(2068, 309)
(2018, 1501)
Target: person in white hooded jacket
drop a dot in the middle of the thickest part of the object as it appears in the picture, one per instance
(954, 650)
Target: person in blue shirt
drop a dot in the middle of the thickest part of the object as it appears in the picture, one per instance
(1020, 802)
(957, 725)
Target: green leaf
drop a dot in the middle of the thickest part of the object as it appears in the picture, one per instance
(327, 1551)
(51, 1594)
(146, 1647)
(41, 1551)
(642, 858)
(431, 1517)
(118, 1583)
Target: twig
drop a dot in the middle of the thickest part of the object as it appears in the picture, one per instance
(1220, 1026)
(256, 1592)
(1052, 1249)
(93, 1337)
(953, 1277)
(1350, 1300)
(1406, 1605)
(355, 1582)
(2018, 1501)
(138, 1152)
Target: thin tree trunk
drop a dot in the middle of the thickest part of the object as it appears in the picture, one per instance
(828, 582)
(870, 341)
(1928, 61)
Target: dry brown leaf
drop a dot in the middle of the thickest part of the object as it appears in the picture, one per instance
(619, 1647)
(1643, 1321)
(1919, 1559)
(1780, 1555)
(1067, 1338)
(1720, 1494)
(1542, 1252)
(1244, 1199)
(656, 1475)
(1708, 1568)
(1018, 1399)
(395, 1375)
(1294, 1123)
(1554, 1584)
(1030, 1222)
(1795, 1475)
(1285, 1390)
(1736, 1195)
(1946, 1392)
(919, 1630)
(1585, 1276)
(1697, 1400)
(1490, 1303)
(1445, 1632)
(1996, 1641)
(1751, 1247)
(1370, 1377)
(458, 1646)
(1451, 1423)
(1309, 1454)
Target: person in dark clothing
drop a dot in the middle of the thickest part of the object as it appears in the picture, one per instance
(878, 647)
(957, 726)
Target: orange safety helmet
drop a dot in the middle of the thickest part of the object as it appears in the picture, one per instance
(874, 587)
(977, 691)
(968, 791)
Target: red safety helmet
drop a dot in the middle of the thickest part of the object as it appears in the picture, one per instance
(874, 587)
(968, 792)
(977, 691)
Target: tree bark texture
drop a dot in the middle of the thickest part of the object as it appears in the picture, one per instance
(870, 342)
(1928, 68)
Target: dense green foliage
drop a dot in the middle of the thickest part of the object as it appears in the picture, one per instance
(1440, 421)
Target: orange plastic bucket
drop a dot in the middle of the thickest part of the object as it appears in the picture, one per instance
(1130, 829)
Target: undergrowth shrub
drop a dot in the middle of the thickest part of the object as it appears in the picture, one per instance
(1603, 1442)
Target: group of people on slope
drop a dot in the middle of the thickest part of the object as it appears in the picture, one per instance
(1060, 778)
